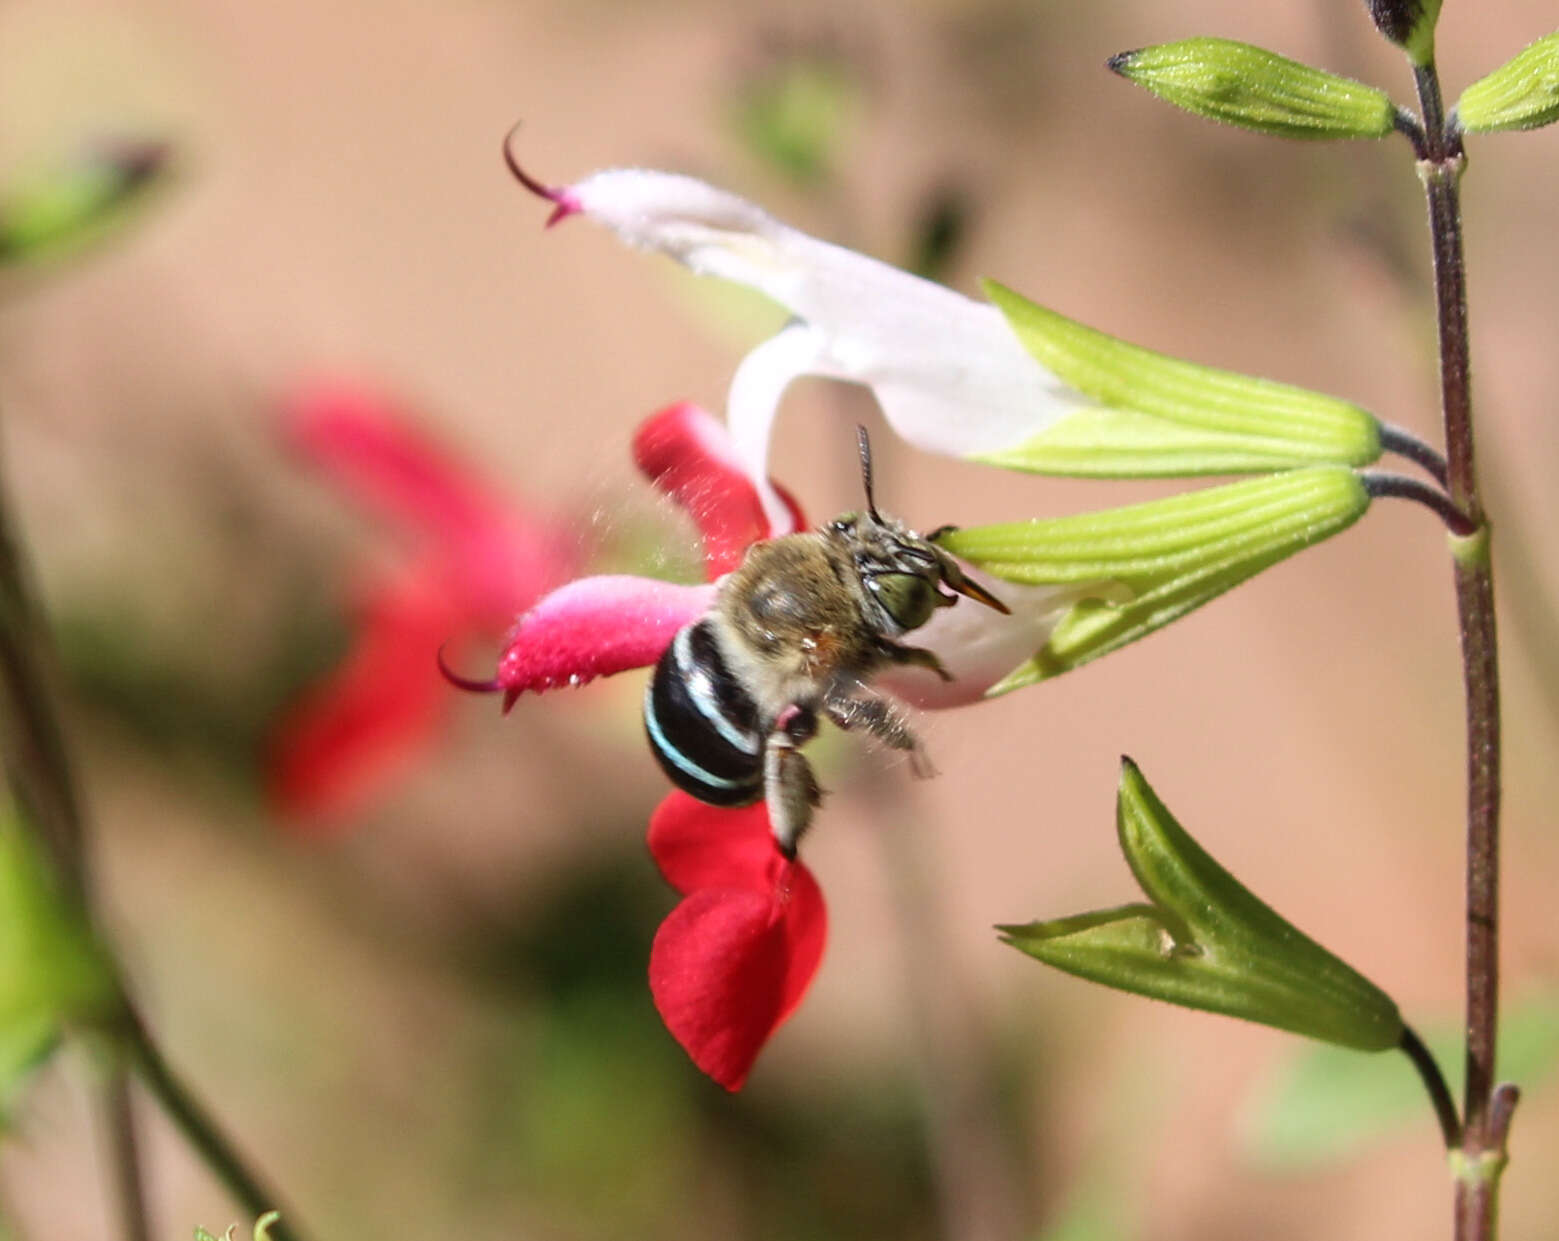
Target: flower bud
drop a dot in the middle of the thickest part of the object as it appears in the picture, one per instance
(1248, 86)
(1206, 942)
(1409, 24)
(1523, 93)
(1149, 415)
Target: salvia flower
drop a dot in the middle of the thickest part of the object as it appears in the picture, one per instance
(469, 560)
(735, 957)
(1005, 384)
(946, 370)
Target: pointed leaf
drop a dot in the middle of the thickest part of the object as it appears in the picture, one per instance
(1248, 86)
(1158, 416)
(1206, 942)
(1523, 93)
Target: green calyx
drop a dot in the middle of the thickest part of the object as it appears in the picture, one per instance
(1523, 93)
(1204, 941)
(1148, 564)
(1248, 86)
(1158, 416)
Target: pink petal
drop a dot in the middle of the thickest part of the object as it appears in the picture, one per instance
(724, 972)
(687, 453)
(498, 558)
(594, 627)
(347, 734)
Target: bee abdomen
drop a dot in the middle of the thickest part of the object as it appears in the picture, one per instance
(703, 726)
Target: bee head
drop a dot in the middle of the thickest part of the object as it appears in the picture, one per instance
(902, 572)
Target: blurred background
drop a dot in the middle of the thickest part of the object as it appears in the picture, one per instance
(422, 1010)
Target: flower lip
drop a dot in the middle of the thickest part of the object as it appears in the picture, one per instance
(565, 203)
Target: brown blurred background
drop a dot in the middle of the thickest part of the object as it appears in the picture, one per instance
(436, 1024)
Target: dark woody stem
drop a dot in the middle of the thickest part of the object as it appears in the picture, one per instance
(1440, 166)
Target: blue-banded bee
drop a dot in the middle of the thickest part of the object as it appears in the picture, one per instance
(796, 632)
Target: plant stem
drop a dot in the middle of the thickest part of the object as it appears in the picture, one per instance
(1440, 167)
(1404, 443)
(38, 772)
(200, 1130)
(1434, 1083)
(1377, 484)
(124, 1153)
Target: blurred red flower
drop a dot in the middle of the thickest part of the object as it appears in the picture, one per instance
(470, 562)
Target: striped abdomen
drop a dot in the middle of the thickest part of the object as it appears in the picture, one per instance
(703, 726)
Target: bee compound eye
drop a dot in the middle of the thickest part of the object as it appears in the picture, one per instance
(906, 597)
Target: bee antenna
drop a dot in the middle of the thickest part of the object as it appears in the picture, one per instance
(866, 471)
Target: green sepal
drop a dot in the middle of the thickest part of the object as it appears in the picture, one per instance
(1206, 942)
(61, 208)
(1523, 93)
(1240, 84)
(1159, 416)
(1151, 563)
(52, 972)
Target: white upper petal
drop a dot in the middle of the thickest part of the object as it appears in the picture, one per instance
(948, 372)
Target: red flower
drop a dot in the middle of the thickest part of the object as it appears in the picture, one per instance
(471, 562)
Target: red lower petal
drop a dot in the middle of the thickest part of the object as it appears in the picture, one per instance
(718, 971)
(594, 627)
(687, 453)
(348, 733)
(699, 846)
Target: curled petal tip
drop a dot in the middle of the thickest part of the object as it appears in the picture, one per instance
(466, 683)
(566, 203)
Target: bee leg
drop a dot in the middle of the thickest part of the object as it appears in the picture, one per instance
(915, 656)
(878, 717)
(790, 789)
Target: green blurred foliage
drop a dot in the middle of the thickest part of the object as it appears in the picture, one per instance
(53, 212)
(794, 114)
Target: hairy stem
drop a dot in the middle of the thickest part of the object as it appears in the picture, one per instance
(1440, 167)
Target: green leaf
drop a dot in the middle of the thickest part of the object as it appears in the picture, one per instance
(1325, 1104)
(1248, 86)
(1160, 416)
(59, 209)
(1206, 942)
(1140, 567)
(1523, 93)
(51, 971)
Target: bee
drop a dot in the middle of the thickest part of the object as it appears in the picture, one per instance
(796, 633)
